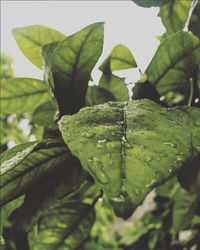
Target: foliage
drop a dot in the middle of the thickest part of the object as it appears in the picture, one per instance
(99, 152)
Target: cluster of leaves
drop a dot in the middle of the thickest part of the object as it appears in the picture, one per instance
(100, 151)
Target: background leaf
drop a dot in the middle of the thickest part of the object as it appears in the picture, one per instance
(31, 38)
(116, 86)
(120, 58)
(24, 165)
(129, 148)
(172, 65)
(97, 95)
(194, 21)
(71, 66)
(174, 14)
(150, 3)
(21, 95)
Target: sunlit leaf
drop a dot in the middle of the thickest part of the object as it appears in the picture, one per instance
(174, 14)
(65, 225)
(31, 38)
(129, 148)
(116, 86)
(70, 65)
(24, 165)
(174, 62)
(21, 95)
(97, 95)
(120, 58)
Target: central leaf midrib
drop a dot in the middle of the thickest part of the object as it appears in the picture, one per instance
(123, 152)
(24, 95)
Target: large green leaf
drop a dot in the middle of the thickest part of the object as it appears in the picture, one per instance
(120, 58)
(26, 164)
(174, 14)
(66, 225)
(150, 3)
(68, 67)
(174, 62)
(116, 86)
(31, 38)
(21, 95)
(131, 147)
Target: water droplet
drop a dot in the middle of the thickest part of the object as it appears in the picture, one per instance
(137, 191)
(88, 134)
(171, 144)
(118, 199)
(96, 168)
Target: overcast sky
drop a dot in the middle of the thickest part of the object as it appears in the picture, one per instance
(125, 23)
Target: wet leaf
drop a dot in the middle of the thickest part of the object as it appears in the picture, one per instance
(68, 67)
(65, 225)
(174, 14)
(129, 148)
(172, 65)
(26, 164)
(31, 38)
(21, 95)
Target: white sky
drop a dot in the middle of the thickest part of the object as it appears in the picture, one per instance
(125, 23)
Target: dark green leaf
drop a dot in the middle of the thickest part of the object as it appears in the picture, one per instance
(195, 20)
(184, 209)
(97, 95)
(24, 165)
(31, 38)
(116, 86)
(70, 65)
(174, 14)
(131, 147)
(64, 226)
(44, 114)
(174, 62)
(189, 176)
(120, 58)
(21, 95)
(150, 3)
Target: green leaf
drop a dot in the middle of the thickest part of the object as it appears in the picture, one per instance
(129, 148)
(195, 20)
(64, 226)
(22, 95)
(97, 95)
(172, 65)
(174, 14)
(31, 38)
(70, 65)
(184, 209)
(44, 114)
(116, 86)
(120, 58)
(24, 165)
(150, 3)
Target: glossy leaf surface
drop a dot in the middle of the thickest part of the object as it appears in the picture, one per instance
(24, 165)
(69, 66)
(131, 147)
(174, 15)
(31, 38)
(120, 58)
(174, 62)
(64, 226)
(21, 95)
